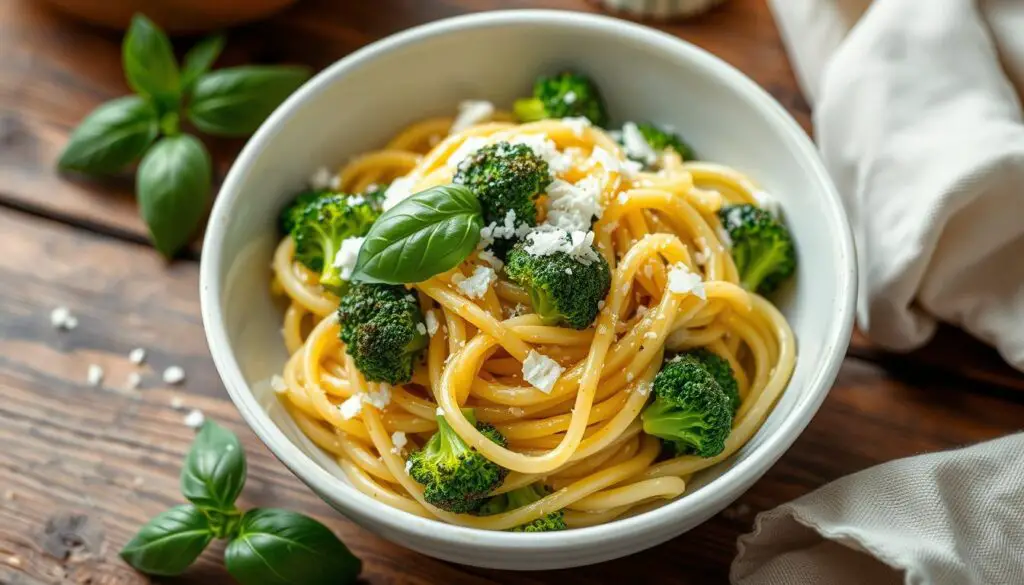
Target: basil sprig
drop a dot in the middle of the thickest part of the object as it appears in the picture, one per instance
(226, 102)
(266, 546)
(425, 234)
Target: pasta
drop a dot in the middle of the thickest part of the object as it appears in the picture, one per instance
(583, 437)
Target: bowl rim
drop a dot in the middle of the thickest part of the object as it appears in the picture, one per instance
(369, 511)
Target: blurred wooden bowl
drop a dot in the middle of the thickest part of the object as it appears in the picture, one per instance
(174, 16)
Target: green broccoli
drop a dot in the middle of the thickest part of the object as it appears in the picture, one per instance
(525, 496)
(566, 95)
(321, 225)
(661, 139)
(564, 288)
(288, 217)
(761, 247)
(374, 194)
(690, 412)
(383, 330)
(721, 371)
(455, 476)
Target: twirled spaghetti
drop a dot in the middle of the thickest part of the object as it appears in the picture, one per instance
(583, 438)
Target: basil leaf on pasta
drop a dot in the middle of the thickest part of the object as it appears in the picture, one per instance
(169, 543)
(214, 470)
(279, 547)
(426, 234)
(111, 137)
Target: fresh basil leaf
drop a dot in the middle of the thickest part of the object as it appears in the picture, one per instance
(111, 137)
(169, 543)
(279, 547)
(149, 62)
(173, 189)
(199, 59)
(425, 234)
(235, 101)
(214, 470)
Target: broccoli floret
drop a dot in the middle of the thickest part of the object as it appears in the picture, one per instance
(661, 139)
(564, 289)
(321, 225)
(291, 212)
(761, 247)
(505, 177)
(721, 371)
(566, 95)
(375, 193)
(455, 476)
(525, 496)
(690, 412)
(383, 330)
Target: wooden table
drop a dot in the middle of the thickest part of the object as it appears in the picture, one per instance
(95, 463)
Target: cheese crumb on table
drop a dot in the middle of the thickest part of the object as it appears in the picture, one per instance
(95, 375)
(177, 403)
(541, 371)
(62, 319)
(194, 419)
(174, 375)
(137, 356)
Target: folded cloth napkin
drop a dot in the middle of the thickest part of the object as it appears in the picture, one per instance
(917, 112)
(951, 518)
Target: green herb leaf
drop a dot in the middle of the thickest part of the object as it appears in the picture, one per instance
(235, 101)
(149, 62)
(278, 547)
(199, 59)
(214, 471)
(169, 543)
(173, 189)
(426, 234)
(111, 137)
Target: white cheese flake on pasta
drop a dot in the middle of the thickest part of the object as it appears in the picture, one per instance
(439, 411)
(380, 398)
(352, 406)
(278, 384)
(546, 149)
(476, 286)
(489, 257)
(682, 281)
(347, 255)
(399, 439)
(636, 145)
(471, 113)
(431, 322)
(577, 244)
(465, 150)
(397, 191)
(767, 202)
(573, 207)
(541, 372)
(578, 125)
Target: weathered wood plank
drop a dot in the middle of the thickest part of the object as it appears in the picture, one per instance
(113, 457)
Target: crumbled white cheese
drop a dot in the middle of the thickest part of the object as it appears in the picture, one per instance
(568, 271)
(546, 149)
(577, 244)
(421, 328)
(573, 207)
(471, 113)
(489, 257)
(380, 398)
(354, 200)
(95, 375)
(681, 281)
(541, 371)
(194, 419)
(644, 388)
(352, 406)
(133, 381)
(734, 217)
(137, 355)
(408, 466)
(476, 286)
(347, 255)
(519, 309)
(62, 319)
(641, 310)
(723, 236)
(569, 97)
(399, 439)
(650, 335)
(321, 179)
(578, 125)
(177, 403)
(278, 384)
(767, 202)
(636, 145)
(465, 150)
(174, 375)
(439, 411)
(505, 231)
(397, 191)
(431, 321)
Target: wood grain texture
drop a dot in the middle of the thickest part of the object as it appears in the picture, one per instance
(108, 459)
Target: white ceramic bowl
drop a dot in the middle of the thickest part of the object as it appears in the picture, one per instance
(363, 99)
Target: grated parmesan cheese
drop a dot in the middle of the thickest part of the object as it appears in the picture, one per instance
(636, 145)
(681, 281)
(541, 371)
(476, 286)
(431, 322)
(397, 191)
(400, 441)
(471, 113)
(380, 398)
(578, 245)
(137, 356)
(767, 202)
(352, 406)
(347, 255)
(278, 384)
(573, 207)
(62, 319)
(578, 124)
(569, 97)
(465, 150)
(546, 149)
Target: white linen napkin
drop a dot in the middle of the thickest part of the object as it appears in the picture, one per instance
(951, 518)
(918, 118)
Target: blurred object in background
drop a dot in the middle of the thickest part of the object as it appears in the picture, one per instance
(174, 16)
(658, 9)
